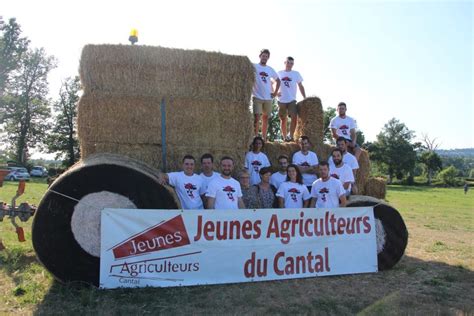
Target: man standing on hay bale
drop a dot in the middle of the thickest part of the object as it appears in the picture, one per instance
(280, 176)
(187, 184)
(287, 101)
(327, 192)
(307, 161)
(345, 126)
(341, 171)
(224, 192)
(262, 92)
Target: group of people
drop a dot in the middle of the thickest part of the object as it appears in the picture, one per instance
(305, 182)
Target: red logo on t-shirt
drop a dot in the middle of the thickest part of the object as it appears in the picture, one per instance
(293, 193)
(323, 191)
(229, 190)
(344, 129)
(189, 189)
(305, 164)
(256, 165)
(286, 81)
(334, 175)
(263, 76)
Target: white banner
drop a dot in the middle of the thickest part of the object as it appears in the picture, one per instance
(173, 247)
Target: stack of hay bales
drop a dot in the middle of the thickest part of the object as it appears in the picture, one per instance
(376, 187)
(310, 120)
(206, 95)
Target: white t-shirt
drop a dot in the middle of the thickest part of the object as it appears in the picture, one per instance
(343, 126)
(310, 159)
(348, 159)
(343, 174)
(289, 82)
(262, 88)
(188, 188)
(226, 192)
(277, 178)
(206, 179)
(293, 193)
(255, 162)
(327, 192)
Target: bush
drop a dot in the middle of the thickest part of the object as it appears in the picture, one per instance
(448, 176)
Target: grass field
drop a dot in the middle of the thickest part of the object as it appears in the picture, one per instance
(436, 275)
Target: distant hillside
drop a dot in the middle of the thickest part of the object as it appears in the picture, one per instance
(464, 152)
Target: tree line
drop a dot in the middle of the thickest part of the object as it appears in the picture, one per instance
(29, 119)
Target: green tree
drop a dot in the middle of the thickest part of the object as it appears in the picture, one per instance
(63, 138)
(393, 150)
(12, 48)
(448, 175)
(432, 162)
(25, 107)
(328, 115)
(273, 131)
(360, 138)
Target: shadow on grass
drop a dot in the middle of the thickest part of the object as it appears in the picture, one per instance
(413, 286)
(409, 188)
(13, 260)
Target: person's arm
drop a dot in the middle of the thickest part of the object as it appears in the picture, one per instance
(343, 201)
(211, 202)
(353, 137)
(346, 185)
(306, 203)
(240, 202)
(312, 204)
(204, 200)
(275, 93)
(163, 179)
(303, 93)
(281, 202)
(334, 133)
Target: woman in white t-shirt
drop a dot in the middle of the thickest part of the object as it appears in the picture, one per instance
(293, 193)
(256, 160)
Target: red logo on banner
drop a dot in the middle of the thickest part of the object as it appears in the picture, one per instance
(166, 235)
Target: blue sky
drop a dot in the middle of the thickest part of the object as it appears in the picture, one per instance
(406, 59)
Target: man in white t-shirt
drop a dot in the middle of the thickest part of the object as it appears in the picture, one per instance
(207, 171)
(341, 171)
(307, 161)
(262, 92)
(187, 184)
(345, 126)
(280, 176)
(289, 79)
(348, 159)
(327, 192)
(224, 192)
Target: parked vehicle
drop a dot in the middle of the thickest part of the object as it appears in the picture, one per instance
(39, 171)
(17, 173)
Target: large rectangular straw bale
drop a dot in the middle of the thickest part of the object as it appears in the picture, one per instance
(310, 120)
(364, 171)
(151, 153)
(376, 187)
(157, 71)
(137, 120)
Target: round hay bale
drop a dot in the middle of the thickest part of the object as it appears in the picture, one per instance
(392, 234)
(310, 120)
(60, 235)
(376, 187)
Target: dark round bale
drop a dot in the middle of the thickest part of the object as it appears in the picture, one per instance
(394, 234)
(66, 228)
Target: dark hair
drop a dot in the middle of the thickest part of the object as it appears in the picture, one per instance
(336, 149)
(265, 170)
(342, 103)
(255, 140)
(264, 51)
(227, 158)
(340, 139)
(304, 137)
(290, 58)
(283, 157)
(207, 156)
(324, 163)
(189, 157)
(299, 177)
